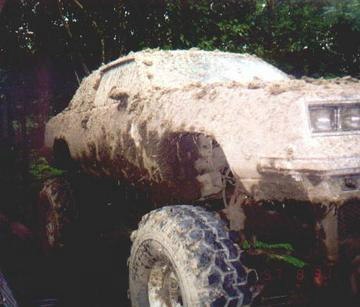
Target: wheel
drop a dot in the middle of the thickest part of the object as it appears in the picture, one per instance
(56, 208)
(183, 256)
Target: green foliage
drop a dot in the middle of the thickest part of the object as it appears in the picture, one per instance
(348, 10)
(41, 170)
(302, 37)
(262, 245)
(275, 251)
(296, 262)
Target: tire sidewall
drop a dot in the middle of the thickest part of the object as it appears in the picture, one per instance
(159, 246)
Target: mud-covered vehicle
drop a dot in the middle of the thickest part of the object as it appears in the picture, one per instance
(195, 129)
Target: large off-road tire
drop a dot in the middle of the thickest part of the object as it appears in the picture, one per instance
(183, 256)
(56, 210)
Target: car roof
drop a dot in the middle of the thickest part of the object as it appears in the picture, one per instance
(142, 70)
(178, 67)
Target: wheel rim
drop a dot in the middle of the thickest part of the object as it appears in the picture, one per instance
(164, 287)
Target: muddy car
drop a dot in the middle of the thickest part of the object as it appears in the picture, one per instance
(195, 128)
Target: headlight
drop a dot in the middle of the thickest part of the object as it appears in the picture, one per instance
(350, 118)
(335, 118)
(323, 119)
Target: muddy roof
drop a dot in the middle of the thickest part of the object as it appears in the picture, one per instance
(140, 71)
(179, 67)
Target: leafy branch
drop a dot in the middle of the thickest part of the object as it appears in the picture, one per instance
(274, 251)
(41, 170)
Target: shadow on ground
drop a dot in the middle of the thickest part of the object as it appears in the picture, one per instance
(91, 268)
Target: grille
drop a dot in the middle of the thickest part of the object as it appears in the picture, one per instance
(349, 220)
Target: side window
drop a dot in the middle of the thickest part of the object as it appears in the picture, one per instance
(82, 102)
(124, 77)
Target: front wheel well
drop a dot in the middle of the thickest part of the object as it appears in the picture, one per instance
(61, 154)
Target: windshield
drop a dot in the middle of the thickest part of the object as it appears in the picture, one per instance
(179, 68)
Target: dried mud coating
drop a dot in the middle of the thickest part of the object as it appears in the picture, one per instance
(176, 120)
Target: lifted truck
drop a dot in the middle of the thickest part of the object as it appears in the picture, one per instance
(198, 127)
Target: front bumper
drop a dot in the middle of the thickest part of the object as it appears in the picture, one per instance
(317, 180)
(318, 166)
